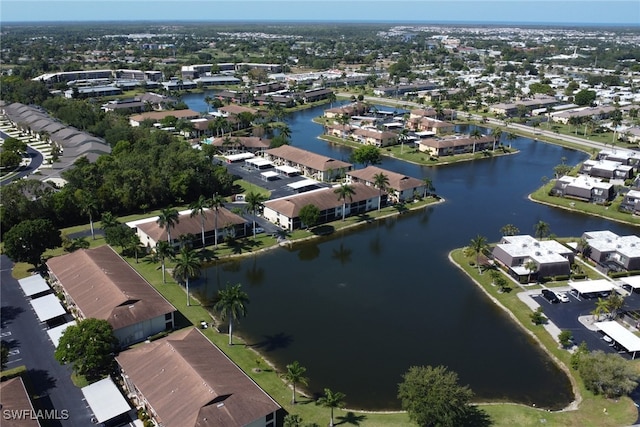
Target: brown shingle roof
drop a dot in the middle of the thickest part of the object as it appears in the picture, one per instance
(237, 109)
(191, 225)
(15, 398)
(159, 115)
(397, 181)
(104, 286)
(245, 141)
(307, 158)
(323, 199)
(454, 142)
(190, 382)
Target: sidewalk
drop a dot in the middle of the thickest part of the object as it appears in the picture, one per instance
(527, 298)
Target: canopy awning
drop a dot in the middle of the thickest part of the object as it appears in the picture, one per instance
(269, 174)
(301, 184)
(259, 162)
(287, 169)
(48, 307)
(56, 333)
(591, 286)
(621, 335)
(633, 281)
(238, 157)
(105, 400)
(34, 285)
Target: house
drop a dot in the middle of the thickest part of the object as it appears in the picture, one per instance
(608, 169)
(98, 283)
(448, 146)
(157, 116)
(584, 188)
(312, 165)
(420, 113)
(184, 380)
(512, 108)
(625, 157)
(285, 211)
(228, 223)
(631, 202)
(313, 95)
(375, 137)
(612, 251)
(592, 113)
(16, 400)
(428, 124)
(234, 110)
(401, 188)
(234, 96)
(251, 144)
(518, 253)
(355, 109)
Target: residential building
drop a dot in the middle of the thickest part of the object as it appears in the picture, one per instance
(374, 137)
(401, 188)
(184, 380)
(584, 188)
(631, 202)
(251, 144)
(458, 144)
(592, 113)
(608, 169)
(612, 251)
(16, 400)
(511, 108)
(157, 116)
(312, 165)
(98, 283)
(313, 95)
(527, 258)
(285, 212)
(355, 109)
(428, 124)
(625, 157)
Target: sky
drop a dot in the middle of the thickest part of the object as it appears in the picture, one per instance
(585, 12)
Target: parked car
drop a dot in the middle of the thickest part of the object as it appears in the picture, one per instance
(550, 296)
(562, 296)
(259, 230)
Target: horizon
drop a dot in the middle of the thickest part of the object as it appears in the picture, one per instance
(584, 13)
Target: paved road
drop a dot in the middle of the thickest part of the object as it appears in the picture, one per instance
(30, 346)
(36, 160)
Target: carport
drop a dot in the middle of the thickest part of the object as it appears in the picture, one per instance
(34, 285)
(299, 186)
(259, 163)
(632, 281)
(48, 307)
(105, 400)
(269, 175)
(592, 287)
(56, 333)
(620, 335)
(232, 158)
(288, 170)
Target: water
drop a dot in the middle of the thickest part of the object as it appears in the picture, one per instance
(359, 308)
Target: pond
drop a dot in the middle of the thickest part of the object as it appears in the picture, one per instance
(357, 309)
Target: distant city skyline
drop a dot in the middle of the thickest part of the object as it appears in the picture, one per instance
(512, 12)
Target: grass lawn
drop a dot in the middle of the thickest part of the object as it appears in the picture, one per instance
(590, 409)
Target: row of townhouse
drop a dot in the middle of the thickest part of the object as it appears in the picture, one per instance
(312, 165)
(612, 251)
(585, 188)
(456, 144)
(510, 109)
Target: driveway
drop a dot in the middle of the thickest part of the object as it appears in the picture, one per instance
(30, 346)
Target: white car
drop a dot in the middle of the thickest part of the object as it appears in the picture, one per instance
(562, 296)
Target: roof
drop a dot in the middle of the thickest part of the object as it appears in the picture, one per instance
(33, 285)
(245, 141)
(307, 158)
(48, 307)
(15, 398)
(190, 225)
(105, 400)
(104, 286)
(455, 141)
(607, 241)
(56, 333)
(591, 286)
(159, 115)
(397, 181)
(620, 334)
(188, 381)
(237, 109)
(323, 199)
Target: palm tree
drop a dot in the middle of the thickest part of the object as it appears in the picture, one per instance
(476, 135)
(167, 219)
(332, 400)
(344, 191)
(187, 267)
(217, 202)
(232, 303)
(88, 205)
(381, 182)
(403, 136)
(199, 207)
(531, 267)
(108, 220)
(254, 202)
(295, 375)
(497, 133)
(510, 137)
(542, 229)
(477, 247)
(602, 307)
(164, 250)
(509, 230)
(428, 186)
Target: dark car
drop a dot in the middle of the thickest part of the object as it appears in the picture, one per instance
(550, 296)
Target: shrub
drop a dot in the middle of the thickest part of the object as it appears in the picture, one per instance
(565, 337)
(537, 317)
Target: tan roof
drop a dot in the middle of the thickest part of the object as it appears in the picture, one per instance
(307, 158)
(454, 142)
(14, 397)
(323, 199)
(159, 115)
(430, 112)
(190, 382)
(104, 286)
(245, 141)
(237, 109)
(374, 134)
(191, 225)
(397, 181)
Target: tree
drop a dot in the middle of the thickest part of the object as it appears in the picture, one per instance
(428, 186)
(475, 135)
(9, 160)
(403, 137)
(565, 338)
(199, 207)
(295, 375)
(164, 250)
(433, 397)
(187, 267)
(585, 97)
(602, 307)
(542, 229)
(531, 267)
(217, 202)
(367, 155)
(331, 400)
(477, 247)
(561, 170)
(88, 345)
(309, 215)
(381, 182)
(344, 191)
(607, 374)
(509, 230)
(27, 240)
(167, 219)
(88, 205)
(231, 304)
(255, 201)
